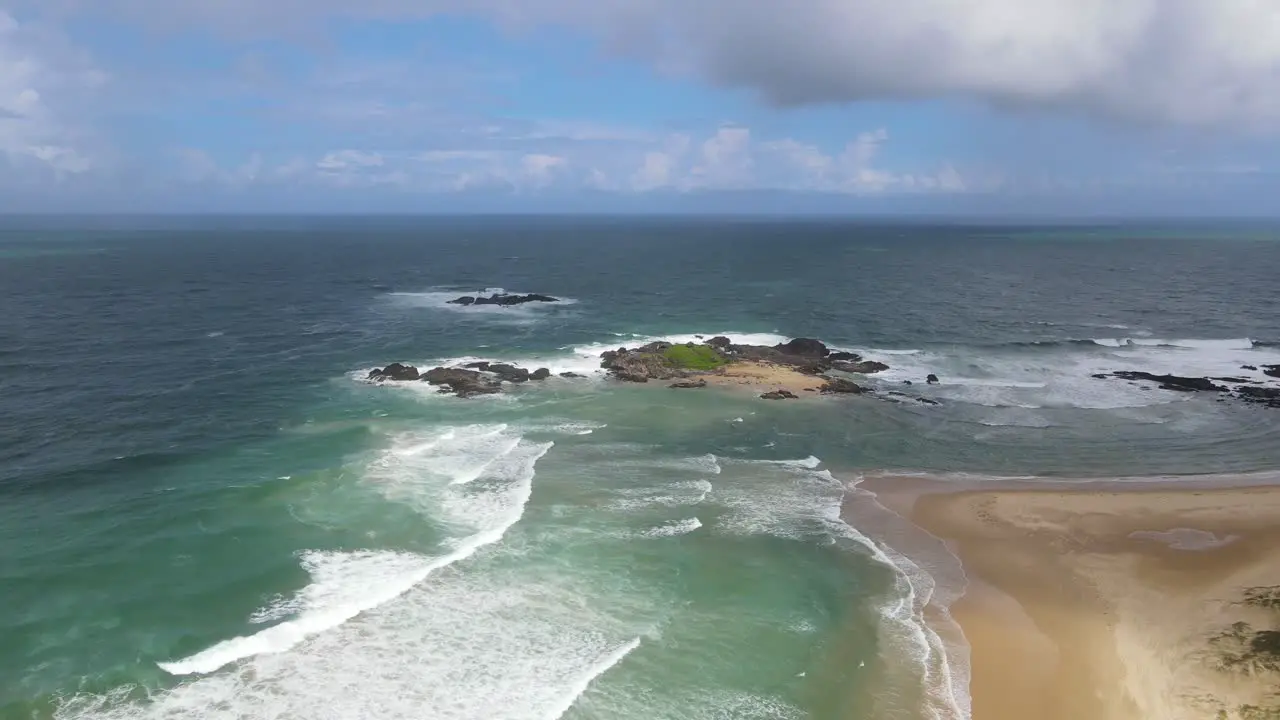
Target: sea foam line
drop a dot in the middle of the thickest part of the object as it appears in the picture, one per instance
(286, 635)
(584, 682)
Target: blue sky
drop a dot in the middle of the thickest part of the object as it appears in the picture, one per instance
(986, 106)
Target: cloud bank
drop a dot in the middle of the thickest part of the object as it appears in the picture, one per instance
(1184, 62)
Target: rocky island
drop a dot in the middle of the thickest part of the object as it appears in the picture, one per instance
(503, 299)
(784, 371)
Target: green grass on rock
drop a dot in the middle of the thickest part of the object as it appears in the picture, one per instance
(697, 357)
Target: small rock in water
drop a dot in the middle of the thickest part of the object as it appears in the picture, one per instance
(570, 375)
(866, 367)
(932, 379)
(540, 374)
(779, 395)
(688, 385)
(839, 386)
(1249, 367)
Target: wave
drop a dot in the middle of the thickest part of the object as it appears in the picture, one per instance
(345, 584)
(580, 687)
(689, 492)
(671, 529)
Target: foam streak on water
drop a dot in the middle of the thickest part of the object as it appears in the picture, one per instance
(346, 584)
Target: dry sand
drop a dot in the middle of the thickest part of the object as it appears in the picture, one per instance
(1116, 601)
(765, 376)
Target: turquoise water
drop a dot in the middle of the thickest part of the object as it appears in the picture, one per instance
(204, 511)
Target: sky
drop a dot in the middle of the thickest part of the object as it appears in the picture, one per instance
(1056, 107)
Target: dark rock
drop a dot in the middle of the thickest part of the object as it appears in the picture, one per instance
(688, 385)
(803, 347)
(510, 373)
(1249, 367)
(816, 367)
(540, 374)
(932, 379)
(720, 341)
(503, 299)
(907, 382)
(1237, 380)
(927, 401)
(811, 389)
(845, 357)
(866, 367)
(482, 365)
(570, 375)
(1259, 395)
(641, 365)
(394, 371)
(1101, 376)
(779, 395)
(837, 386)
(463, 383)
(1271, 371)
(1173, 382)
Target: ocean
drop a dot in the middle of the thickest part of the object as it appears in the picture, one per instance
(206, 512)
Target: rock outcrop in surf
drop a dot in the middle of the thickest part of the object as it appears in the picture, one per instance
(1244, 389)
(394, 371)
(503, 299)
(469, 380)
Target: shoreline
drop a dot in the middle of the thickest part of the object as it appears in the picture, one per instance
(1117, 599)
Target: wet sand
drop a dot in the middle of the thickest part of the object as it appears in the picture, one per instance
(1109, 601)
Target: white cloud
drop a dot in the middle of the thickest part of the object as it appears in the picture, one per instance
(42, 80)
(346, 160)
(539, 168)
(726, 160)
(1179, 61)
(729, 158)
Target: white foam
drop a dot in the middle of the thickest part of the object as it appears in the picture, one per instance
(471, 645)
(1190, 344)
(1186, 538)
(679, 527)
(604, 665)
(1061, 377)
(678, 494)
(566, 427)
(808, 463)
(433, 476)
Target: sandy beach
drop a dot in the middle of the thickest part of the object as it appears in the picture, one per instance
(766, 376)
(1109, 601)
